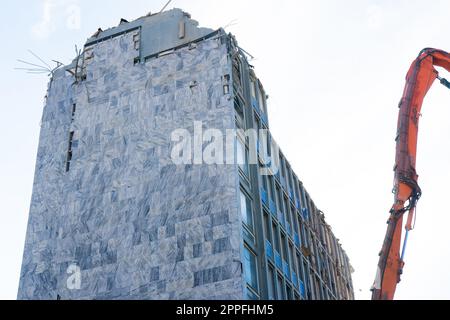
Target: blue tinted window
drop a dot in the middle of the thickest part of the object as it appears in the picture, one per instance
(250, 272)
(246, 210)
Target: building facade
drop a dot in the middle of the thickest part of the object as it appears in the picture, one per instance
(113, 217)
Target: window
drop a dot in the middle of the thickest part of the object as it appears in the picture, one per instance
(271, 284)
(246, 210)
(291, 257)
(312, 246)
(264, 182)
(310, 286)
(264, 139)
(324, 293)
(294, 220)
(299, 267)
(252, 89)
(280, 289)
(280, 205)
(289, 177)
(267, 227)
(305, 236)
(264, 106)
(288, 292)
(297, 195)
(276, 240)
(283, 246)
(240, 120)
(260, 98)
(242, 156)
(318, 288)
(250, 269)
(283, 172)
(300, 229)
(237, 71)
(287, 213)
(258, 127)
(271, 188)
(306, 279)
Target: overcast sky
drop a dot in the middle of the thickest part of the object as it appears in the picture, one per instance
(335, 73)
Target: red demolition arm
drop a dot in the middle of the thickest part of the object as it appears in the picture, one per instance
(419, 79)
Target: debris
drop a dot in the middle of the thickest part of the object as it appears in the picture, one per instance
(95, 35)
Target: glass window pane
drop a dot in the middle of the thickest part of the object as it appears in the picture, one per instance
(246, 210)
(294, 219)
(288, 292)
(271, 188)
(291, 256)
(286, 208)
(260, 99)
(242, 156)
(280, 205)
(283, 173)
(250, 269)
(264, 181)
(267, 227)
(299, 268)
(271, 284)
(283, 246)
(280, 289)
(252, 89)
(240, 120)
(276, 239)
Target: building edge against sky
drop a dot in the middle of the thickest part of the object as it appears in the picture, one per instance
(111, 211)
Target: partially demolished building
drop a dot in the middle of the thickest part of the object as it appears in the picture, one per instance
(113, 217)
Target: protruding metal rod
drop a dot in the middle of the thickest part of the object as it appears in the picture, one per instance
(31, 64)
(39, 58)
(30, 69)
(168, 2)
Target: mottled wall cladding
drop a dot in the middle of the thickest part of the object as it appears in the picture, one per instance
(138, 226)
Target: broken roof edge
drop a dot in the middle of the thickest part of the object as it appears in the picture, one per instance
(153, 43)
(149, 19)
(219, 33)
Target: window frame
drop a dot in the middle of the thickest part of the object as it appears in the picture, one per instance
(244, 167)
(249, 284)
(248, 201)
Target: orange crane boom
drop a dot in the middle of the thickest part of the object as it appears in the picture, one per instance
(419, 79)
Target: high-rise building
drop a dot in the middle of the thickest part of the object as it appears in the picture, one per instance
(130, 201)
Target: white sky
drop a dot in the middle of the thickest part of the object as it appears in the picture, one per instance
(334, 71)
